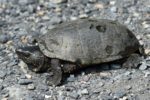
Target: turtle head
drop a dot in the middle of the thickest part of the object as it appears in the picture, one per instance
(32, 56)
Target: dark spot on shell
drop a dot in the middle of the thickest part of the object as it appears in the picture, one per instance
(109, 49)
(91, 26)
(130, 34)
(101, 28)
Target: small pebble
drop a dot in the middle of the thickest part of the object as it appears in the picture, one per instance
(12, 63)
(147, 51)
(45, 18)
(24, 81)
(58, 1)
(60, 98)
(73, 95)
(40, 13)
(48, 96)
(71, 78)
(55, 20)
(25, 2)
(84, 92)
(112, 2)
(2, 23)
(31, 87)
(143, 66)
(147, 73)
(127, 73)
(22, 77)
(145, 24)
(99, 6)
(115, 66)
(43, 87)
(85, 78)
(23, 66)
(125, 98)
(83, 16)
(128, 87)
(28, 76)
(113, 9)
(105, 74)
(4, 38)
(2, 74)
(119, 94)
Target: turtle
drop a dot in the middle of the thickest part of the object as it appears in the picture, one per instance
(76, 44)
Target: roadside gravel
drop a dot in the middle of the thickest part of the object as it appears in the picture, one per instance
(21, 20)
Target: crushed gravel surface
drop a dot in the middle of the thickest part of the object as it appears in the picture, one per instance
(21, 20)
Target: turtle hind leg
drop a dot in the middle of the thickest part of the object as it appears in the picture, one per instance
(132, 61)
(55, 73)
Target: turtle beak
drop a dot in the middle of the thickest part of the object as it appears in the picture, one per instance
(22, 53)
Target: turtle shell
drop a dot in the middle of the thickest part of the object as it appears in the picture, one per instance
(88, 41)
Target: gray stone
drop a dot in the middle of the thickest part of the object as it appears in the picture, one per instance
(12, 63)
(148, 63)
(127, 73)
(25, 81)
(14, 13)
(2, 74)
(105, 96)
(22, 77)
(42, 87)
(143, 66)
(55, 20)
(128, 87)
(4, 38)
(60, 98)
(58, 1)
(115, 66)
(2, 24)
(147, 73)
(97, 90)
(119, 94)
(113, 9)
(84, 92)
(71, 78)
(31, 9)
(31, 87)
(92, 1)
(74, 95)
(25, 2)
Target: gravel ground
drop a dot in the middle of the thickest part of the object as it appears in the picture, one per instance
(20, 20)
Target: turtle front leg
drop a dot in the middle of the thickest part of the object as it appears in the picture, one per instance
(55, 73)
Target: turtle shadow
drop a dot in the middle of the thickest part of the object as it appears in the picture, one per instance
(95, 69)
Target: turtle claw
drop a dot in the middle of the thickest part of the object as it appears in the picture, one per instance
(55, 78)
